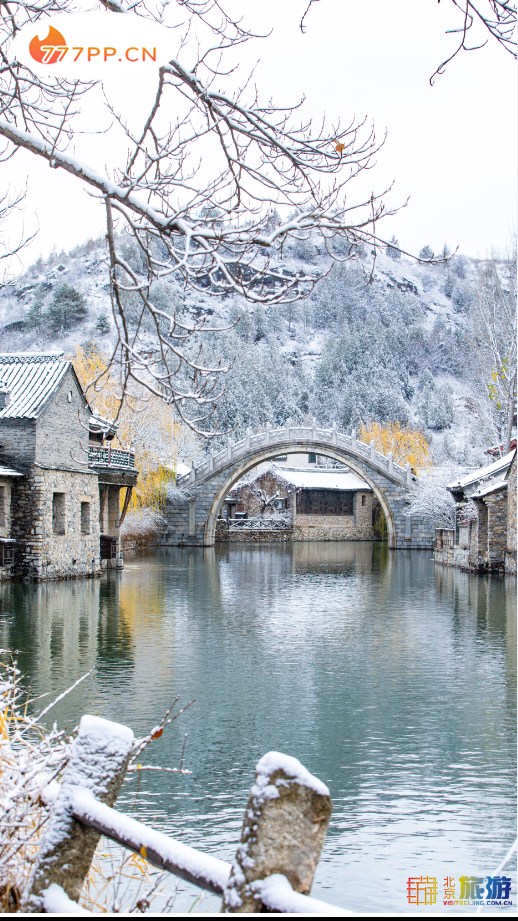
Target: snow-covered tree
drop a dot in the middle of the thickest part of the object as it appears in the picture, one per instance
(392, 248)
(201, 221)
(430, 499)
(493, 350)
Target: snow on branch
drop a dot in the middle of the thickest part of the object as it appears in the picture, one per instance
(209, 190)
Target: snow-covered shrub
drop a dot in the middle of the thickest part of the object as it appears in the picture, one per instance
(178, 495)
(432, 500)
(143, 524)
(31, 761)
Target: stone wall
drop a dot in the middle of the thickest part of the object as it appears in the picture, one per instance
(40, 552)
(297, 533)
(61, 439)
(453, 556)
(17, 442)
(510, 553)
(497, 528)
(314, 532)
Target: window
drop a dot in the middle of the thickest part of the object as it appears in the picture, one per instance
(364, 500)
(325, 502)
(3, 509)
(58, 513)
(6, 552)
(85, 517)
(312, 459)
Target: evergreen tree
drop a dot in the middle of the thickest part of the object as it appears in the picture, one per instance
(426, 252)
(34, 316)
(103, 324)
(449, 285)
(67, 309)
(391, 250)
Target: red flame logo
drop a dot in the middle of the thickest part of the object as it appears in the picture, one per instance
(51, 49)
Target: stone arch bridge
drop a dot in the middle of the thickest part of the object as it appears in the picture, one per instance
(194, 523)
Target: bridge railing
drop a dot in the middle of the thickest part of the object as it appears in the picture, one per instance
(259, 524)
(275, 863)
(300, 434)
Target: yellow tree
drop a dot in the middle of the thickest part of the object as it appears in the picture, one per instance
(146, 426)
(408, 445)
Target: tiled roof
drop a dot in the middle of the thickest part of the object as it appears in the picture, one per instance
(30, 379)
(498, 469)
(8, 471)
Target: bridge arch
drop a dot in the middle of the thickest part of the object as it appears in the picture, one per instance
(194, 524)
(235, 474)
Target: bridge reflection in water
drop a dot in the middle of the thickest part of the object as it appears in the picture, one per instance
(392, 680)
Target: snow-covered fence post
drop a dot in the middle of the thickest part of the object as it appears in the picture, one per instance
(98, 763)
(390, 456)
(333, 434)
(229, 449)
(284, 828)
(373, 450)
(408, 474)
(211, 462)
(268, 432)
(247, 439)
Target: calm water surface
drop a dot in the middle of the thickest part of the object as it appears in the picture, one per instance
(392, 680)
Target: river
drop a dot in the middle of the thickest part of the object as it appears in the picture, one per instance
(391, 679)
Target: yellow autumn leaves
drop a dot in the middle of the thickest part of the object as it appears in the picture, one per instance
(408, 445)
(147, 427)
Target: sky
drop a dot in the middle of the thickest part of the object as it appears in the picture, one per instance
(450, 147)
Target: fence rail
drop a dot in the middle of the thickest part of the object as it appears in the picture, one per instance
(275, 863)
(106, 457)
(259, 524)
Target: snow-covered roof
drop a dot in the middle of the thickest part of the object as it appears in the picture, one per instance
(486, 490)
(30, 378)
(98, 424)
(8, 471)
(322, 478)
(496, 470)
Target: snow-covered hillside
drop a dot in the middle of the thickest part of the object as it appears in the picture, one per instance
(392, 347)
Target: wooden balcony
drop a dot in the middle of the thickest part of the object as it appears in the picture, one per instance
(110, 458)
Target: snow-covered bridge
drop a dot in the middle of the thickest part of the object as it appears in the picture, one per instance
(194, 523)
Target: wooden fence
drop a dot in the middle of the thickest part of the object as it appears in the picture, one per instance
(284, 828)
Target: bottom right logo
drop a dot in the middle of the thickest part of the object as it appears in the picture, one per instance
(467, 890)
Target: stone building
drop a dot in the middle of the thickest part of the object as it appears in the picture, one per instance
(486, 542)
(60, 480)
(316, 503)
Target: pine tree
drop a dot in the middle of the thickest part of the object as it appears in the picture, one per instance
(103, 324)
(391, 250)
(67, 309)
(426, 252)
(34, 316)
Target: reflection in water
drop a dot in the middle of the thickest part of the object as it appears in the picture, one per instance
(392, 680)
